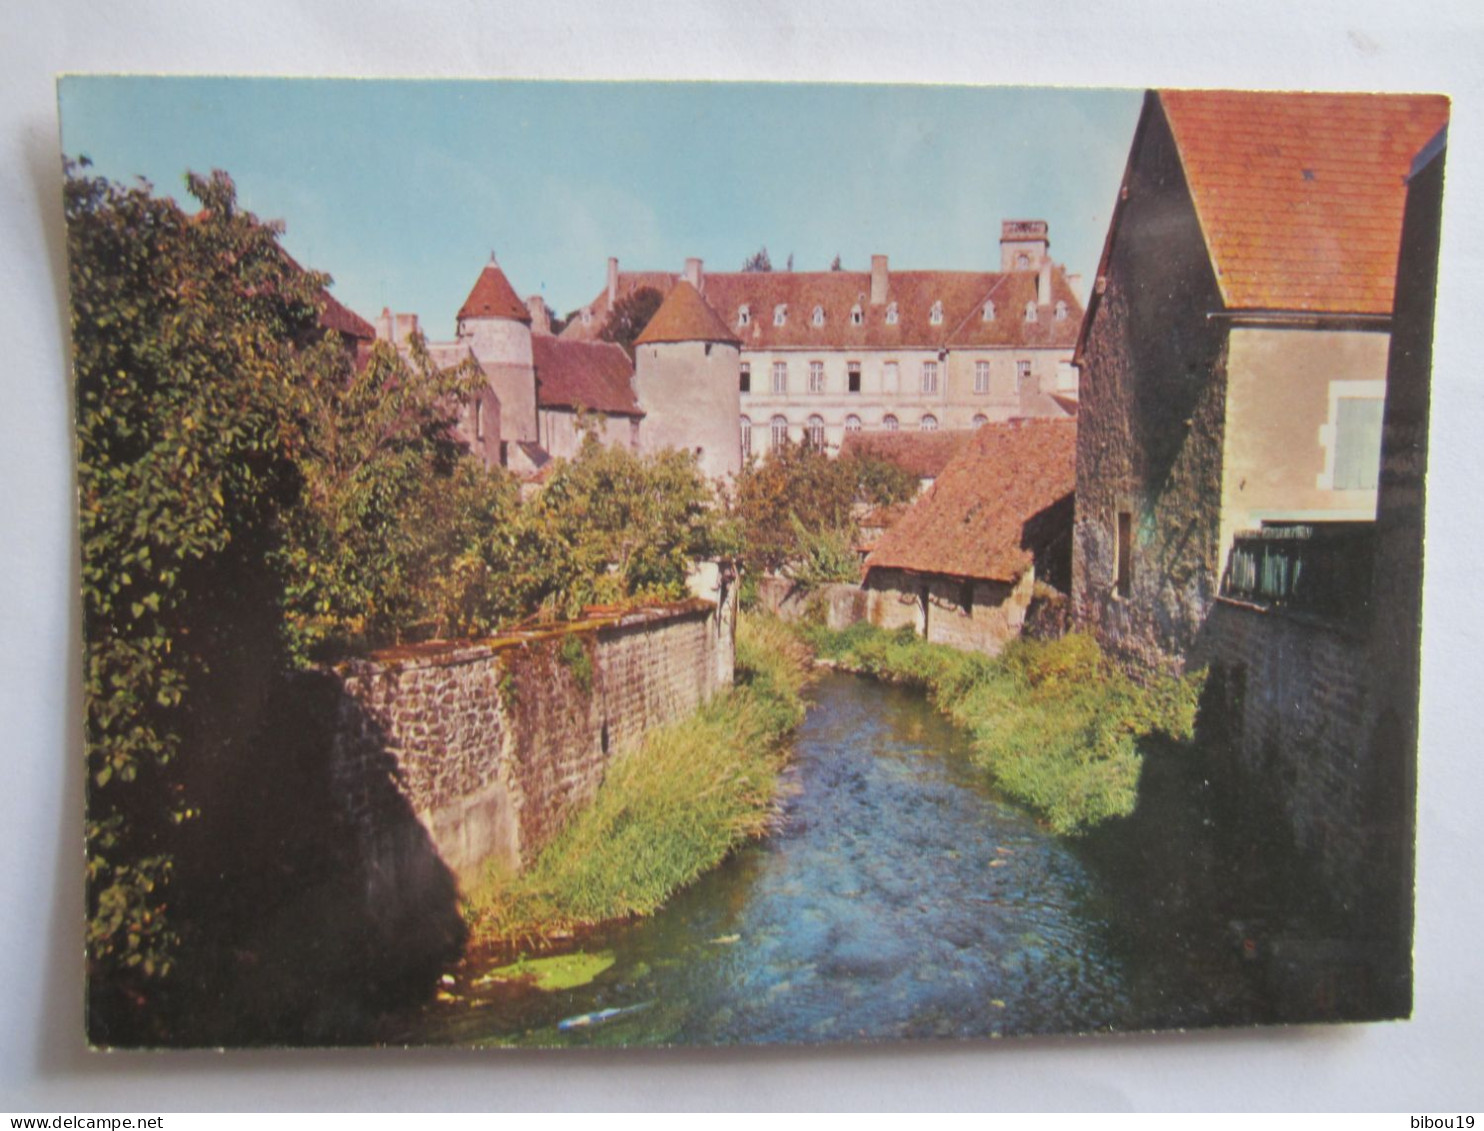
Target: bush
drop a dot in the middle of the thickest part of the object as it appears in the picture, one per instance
(1056, 724)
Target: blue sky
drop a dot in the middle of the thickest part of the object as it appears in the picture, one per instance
(400, 190)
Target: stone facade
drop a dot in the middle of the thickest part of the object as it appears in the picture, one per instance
(973, 615)
(494, 745)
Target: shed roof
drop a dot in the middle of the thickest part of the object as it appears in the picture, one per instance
(1300, 196)
(972, 522)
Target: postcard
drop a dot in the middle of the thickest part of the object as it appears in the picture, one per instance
(572, 564)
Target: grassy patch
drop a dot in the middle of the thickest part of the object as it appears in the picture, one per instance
(1055, 722)
(667, 811)
(559, 972)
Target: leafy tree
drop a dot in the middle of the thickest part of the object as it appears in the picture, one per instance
(183, 330)
(611, 525)
(795, 510)
(758, 261)
(391, 503)
(629, 316)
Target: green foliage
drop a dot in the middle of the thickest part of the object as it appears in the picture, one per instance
(575, 658)
(667, 811)
(183, 336)
(1055, 723)
(629, 316)
(795, 510)
(611, 526)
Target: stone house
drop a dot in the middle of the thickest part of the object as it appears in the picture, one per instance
(1233, 356)
(923, 455)
(961, 566)
(825, 354)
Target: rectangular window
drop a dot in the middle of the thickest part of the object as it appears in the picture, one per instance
(479, 419)
(981, 376)
(929, 376)
(853, 376)
(1024, 382)
(891, 378)
(744, 377)
(1125, 553)
(816, 376)
(1358, 443)
(780, 376)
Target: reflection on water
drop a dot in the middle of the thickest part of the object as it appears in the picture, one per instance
(902, 898)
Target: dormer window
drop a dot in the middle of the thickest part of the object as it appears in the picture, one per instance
(587, 316)
(891, 314)
(817, 318)
(744, 315)
(857, 316)
(1022, 261)
(1030, 312)
(989, 311)
(780, 314)
(1061, 312)
(935, 316)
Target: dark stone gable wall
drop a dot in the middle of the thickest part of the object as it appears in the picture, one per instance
(494, 746)
(1149, 432)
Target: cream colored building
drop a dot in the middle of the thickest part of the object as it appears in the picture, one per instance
(824, 354)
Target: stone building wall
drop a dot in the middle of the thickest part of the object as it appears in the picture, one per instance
(1291, 697)
(841, 603)
(495, 745)
(971, 615)
(1151, 420)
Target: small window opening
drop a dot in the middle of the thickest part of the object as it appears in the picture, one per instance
(1125, 553)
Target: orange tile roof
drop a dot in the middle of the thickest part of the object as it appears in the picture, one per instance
(1300, 196)
(923, 455)
(971, 523)
(335, 315)
(591, 375)
(962, 293)
(494, 297)
(684, 316)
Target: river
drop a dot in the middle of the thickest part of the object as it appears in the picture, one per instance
(902, 897)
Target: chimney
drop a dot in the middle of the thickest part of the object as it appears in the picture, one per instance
(878, 279)
(1043, 287)
(612, 280)
(404, 326)
(693, 272)
(384, 325)
(540, 316)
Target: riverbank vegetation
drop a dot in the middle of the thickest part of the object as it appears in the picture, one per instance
(1057, 725)
(667, 811)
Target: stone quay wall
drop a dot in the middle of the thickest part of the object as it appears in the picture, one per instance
(494, 745)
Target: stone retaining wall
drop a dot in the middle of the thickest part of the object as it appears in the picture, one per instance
(494, 745)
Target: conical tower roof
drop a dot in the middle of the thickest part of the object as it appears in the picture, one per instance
(494, 297)
(685, 317)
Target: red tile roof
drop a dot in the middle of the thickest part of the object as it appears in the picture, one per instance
(684, 316)
(1300, 196)
(972, 522)
(591, 375)
(334, 315)
(494, 297)
(921, 454)
(962, 293)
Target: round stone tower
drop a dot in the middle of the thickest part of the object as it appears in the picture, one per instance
(496, 325)
(686, 369)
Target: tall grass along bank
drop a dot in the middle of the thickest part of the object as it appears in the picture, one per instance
(1057, 724)
(667, 811)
